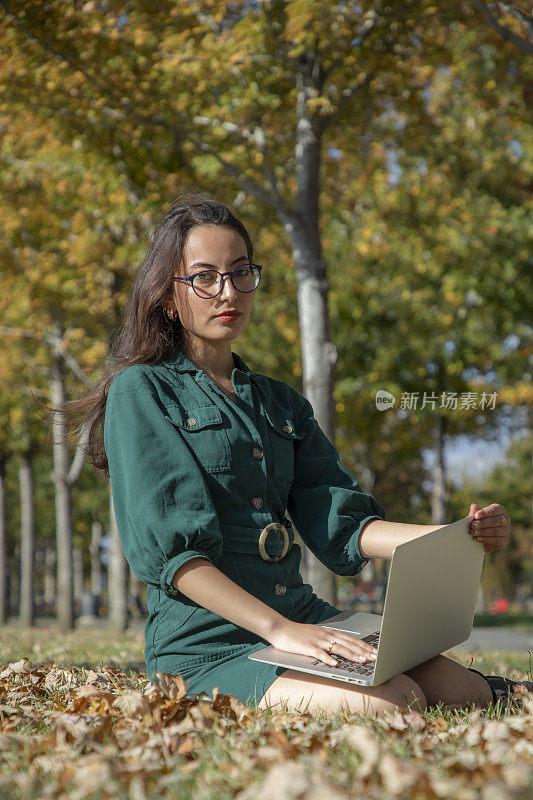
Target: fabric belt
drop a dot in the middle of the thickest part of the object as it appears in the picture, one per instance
(239, 539)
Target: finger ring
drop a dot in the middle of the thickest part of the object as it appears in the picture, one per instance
(503, 519)
(330, 646)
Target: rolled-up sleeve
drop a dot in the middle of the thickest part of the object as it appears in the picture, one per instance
(325, 501)
(163, 508)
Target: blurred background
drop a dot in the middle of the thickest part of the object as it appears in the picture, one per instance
(381, 157)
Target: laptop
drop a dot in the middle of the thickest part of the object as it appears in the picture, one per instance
(432, 589)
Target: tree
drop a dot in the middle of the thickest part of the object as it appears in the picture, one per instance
(54, 255)
(287, 75)
(139, 89)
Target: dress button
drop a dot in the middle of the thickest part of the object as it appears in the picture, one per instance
(280, 589)
(191, 422)
(287, 429)
(258, 502)
(173, 591)
(257, 452)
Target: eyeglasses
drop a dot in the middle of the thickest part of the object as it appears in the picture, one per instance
(209, 283)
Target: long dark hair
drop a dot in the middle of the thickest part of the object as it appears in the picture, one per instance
(145, 334)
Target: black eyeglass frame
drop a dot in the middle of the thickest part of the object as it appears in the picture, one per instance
(222, 275)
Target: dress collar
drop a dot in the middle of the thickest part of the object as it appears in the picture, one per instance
(180, 363)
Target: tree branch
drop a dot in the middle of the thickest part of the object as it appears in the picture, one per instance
(250, 185)
(504, 32)
(67, 357)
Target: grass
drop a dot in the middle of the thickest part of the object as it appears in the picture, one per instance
(80, 721)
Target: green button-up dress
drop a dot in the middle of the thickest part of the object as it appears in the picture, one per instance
(194, 473)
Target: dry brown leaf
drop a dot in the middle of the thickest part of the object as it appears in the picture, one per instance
(91, 775)
(71, 727)
(326, 791)
(231, 705)
(201, 716)
(153, 694)
(17, 668)
(287, 780)
(495, 729)
(517, 723)
(277, 739)
(97, 677)
(186, 745)
(497, 752)
(171, 686)
(469, 759)
(495, 790)
(438, 724)
(445, 787)
(396, 721)
(398, 775)
(458, 730)
(101, 704)
(6, 710)
(88, 690)
(290, 780)
(473, 734)
(267, 753)
(8, 739)
(415, 720)
(59, 679)
(84, 698)
(517, 775)
(132, 704)
(361, 739)
(18, 695)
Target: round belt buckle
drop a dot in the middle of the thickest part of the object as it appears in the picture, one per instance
(262, 539)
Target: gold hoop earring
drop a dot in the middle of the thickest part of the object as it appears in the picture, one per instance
(172, 317)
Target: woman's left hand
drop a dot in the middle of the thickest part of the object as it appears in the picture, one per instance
(490, 525)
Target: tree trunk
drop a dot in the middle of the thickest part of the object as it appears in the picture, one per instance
(530, 421)
(63, 499)
(118, 576)
(49, 580)
(96, 567)
(4, 600)
(78, 586)
(14, 582)
(439, 498)
(319, 355)
(27, 534)
(135, 593)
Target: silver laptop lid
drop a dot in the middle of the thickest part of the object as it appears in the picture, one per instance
(431, 596)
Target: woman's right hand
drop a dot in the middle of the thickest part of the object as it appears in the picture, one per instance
(313, 640)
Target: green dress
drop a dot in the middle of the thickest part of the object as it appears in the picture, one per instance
(194, 473)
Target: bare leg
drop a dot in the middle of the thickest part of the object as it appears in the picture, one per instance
(300, 691)
(444, 680)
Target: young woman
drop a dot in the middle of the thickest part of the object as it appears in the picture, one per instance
(205, 457)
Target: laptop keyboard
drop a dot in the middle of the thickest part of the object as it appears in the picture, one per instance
(361, 668)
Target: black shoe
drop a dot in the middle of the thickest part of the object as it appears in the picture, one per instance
(503, 689)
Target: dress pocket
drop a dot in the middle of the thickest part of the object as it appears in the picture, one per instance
(204, 431)
(282, 435)
(171, 616)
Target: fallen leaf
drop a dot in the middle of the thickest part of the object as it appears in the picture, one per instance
(132, 704)
(17, 668)
(360, 738)
(415, 720)
(397, 774)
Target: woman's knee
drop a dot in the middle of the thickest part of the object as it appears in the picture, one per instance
(400, 693)
(404, 693)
